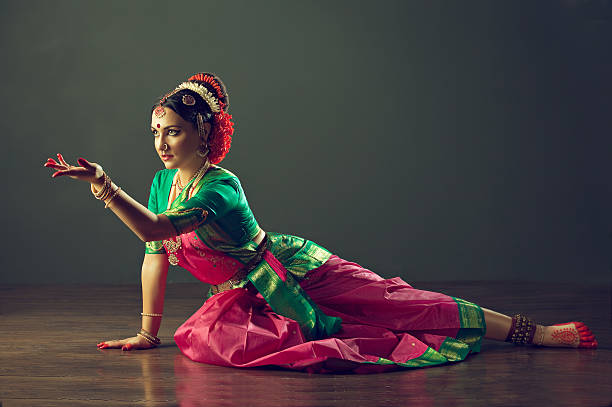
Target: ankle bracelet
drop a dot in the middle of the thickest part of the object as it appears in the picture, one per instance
(522, 330)
(541, 342)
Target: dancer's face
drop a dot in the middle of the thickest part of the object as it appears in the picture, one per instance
(176, 140)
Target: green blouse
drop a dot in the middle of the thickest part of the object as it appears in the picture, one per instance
(220, 214)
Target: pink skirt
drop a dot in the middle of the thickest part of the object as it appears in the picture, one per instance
(386, 324)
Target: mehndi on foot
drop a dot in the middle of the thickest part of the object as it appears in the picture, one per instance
(574, 334)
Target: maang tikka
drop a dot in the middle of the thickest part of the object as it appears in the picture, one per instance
(159, 111)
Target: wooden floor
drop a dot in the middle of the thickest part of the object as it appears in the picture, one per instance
(48, 356)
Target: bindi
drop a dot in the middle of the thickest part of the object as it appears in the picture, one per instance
(158, 125)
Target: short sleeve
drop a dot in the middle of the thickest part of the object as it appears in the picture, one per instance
(212, 201)
(155, 247)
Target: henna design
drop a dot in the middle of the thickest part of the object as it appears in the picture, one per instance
(566, 336)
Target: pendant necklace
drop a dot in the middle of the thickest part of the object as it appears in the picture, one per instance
(199, 172)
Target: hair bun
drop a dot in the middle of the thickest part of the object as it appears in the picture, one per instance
(215, 85)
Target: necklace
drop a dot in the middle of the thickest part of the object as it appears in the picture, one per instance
(199, 172)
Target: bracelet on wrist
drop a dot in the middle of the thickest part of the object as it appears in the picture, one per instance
(105, 190)
(150, 314)
(112, 197)
(152, 339)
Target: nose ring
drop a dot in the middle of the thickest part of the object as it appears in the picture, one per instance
(164, 147)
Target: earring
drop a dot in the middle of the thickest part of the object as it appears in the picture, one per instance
(202, 151)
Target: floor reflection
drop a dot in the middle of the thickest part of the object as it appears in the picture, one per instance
(176, 380)
(155, 385)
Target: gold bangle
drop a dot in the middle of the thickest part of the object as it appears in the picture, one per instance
(112, 197)
(154, 341)
(105, 188)
(108, 191)
(149, 337)
(150, 314)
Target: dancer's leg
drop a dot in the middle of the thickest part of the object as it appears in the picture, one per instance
(498, 325)
(571, 334)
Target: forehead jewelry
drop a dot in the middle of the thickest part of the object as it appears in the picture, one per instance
(159, 112)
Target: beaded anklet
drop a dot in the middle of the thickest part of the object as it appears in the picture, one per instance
(522, 330)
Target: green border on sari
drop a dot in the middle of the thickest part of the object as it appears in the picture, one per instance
(468, 339)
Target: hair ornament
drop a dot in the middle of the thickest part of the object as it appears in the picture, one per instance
(201, 90)
(220, 139)
(211, 81)
(188, 100)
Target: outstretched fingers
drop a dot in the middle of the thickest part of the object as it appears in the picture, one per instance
(74, 171)
(61, 167)
(61, 160)
(54, 165)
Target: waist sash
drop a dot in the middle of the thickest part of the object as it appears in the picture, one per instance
(283, 293)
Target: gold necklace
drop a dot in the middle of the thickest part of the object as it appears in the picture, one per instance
(200, 171)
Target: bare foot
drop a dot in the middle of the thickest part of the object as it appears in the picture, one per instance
(567, 335)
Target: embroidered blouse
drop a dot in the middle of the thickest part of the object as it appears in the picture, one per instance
(216, 227)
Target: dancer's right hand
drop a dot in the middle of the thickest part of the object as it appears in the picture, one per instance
(132, 343)
(90, 172)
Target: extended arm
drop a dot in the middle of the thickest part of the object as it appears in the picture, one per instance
(145, 224)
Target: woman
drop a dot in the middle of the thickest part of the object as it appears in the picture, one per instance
(277, 299)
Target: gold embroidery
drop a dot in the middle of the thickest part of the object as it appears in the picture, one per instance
(203, 212)
(222, 260)
(186, 220)
(155, 245)
(172, 245)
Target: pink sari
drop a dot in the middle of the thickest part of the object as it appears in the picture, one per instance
(386, 324)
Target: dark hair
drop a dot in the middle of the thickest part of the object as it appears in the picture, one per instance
(219, 139)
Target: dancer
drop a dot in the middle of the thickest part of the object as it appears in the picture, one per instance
(277, 299)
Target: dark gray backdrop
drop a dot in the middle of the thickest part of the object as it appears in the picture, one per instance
(431, 140)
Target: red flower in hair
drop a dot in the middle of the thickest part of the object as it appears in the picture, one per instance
(220, 139)
(200, 77)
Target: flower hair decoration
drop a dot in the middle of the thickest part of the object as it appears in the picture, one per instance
(201, 90)
(220, 139)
